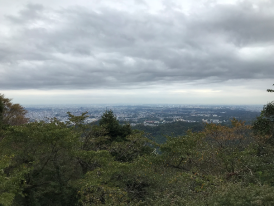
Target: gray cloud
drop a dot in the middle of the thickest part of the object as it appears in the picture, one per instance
(82, 48)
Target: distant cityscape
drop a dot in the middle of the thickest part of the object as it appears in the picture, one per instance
(148, 115)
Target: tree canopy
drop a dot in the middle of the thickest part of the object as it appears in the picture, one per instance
(116, 131)
(12, 114)
(74, 163)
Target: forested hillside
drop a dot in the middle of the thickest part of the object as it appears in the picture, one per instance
(74, 163)
(175, 129)
(179, 128)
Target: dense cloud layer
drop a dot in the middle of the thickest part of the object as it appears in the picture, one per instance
(130, 45)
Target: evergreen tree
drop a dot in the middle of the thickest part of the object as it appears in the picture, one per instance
(264, 124)
(116, 131)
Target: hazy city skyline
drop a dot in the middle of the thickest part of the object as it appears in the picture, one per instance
(137, 51)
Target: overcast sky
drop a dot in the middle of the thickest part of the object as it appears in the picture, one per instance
(137, 51)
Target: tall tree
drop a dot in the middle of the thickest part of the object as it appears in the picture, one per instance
(11, 114)
(264, 124)
(116, 131)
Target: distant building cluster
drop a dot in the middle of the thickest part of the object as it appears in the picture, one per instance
(215, 121)
(148, 115)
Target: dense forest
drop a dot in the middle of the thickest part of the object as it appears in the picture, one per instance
(74, 163)
(159, 133)
(178, 128)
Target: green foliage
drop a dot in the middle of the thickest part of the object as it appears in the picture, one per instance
(77, 164)
(264, 124)
(74, 163)
(11, 114)
(116, 131)
(160, 132)
(225, 146)
(238, 195)
(181, 152)
(136, 145)
(45, 149)
(11, 182)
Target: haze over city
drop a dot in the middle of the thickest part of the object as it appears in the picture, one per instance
(137, 51)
